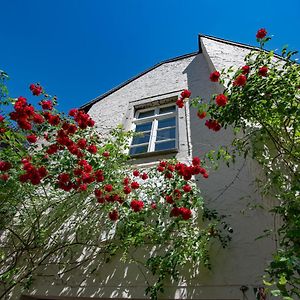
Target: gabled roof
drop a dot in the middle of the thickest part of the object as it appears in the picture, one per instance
(88, 105)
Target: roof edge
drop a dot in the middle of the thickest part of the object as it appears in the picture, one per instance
(242, 45)
(87, 105)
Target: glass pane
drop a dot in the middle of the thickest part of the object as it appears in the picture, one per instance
(143, 127)
(164, 110)
(141, 138)
(139, 149)
(166, 122)
(145, 114)
(165, 145)
(165, 134)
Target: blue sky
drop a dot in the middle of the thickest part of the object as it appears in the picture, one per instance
(79, 49)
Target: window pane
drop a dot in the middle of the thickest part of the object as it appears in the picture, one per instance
(164, 110)
(166, 122)
(145, 114)
(138, 149)
(165, 134)
(165, 145)
(141, 138)
(143, 127)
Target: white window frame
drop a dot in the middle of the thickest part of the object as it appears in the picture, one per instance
(154, 128)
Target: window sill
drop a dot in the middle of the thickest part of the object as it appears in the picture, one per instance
(153, 154)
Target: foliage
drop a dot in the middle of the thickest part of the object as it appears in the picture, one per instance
(261, 101)
(69, 199)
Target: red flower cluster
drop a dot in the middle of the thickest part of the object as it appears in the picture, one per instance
(213, 124)
(5, 165)
(201, 114)
(261, 33)
(83, 120)
(31, 138)
(36, 89)
(46, 104)
(240, 80)
(113, 215)
(24, 114)
(182, 170)
(245, 69)
(214, 76)
(221, 100)
(184, 212)
(32, 174)
(136, 205)
(134, 185)
(263, 71)
(4, 177)
(185, 94)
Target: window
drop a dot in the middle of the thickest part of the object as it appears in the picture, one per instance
(155, 128)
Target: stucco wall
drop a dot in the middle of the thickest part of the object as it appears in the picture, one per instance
(229, 190)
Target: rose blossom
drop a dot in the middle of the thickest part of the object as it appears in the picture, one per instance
(221, 100)
(261, 33)
(263, 71)
(214, 76)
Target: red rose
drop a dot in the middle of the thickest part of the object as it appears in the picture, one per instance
(180, 103)
(163, 163)
(127, 190)
(214, 77)
(160, 169)
(4, 177)
(83, 187)
(261, 33)
(92, 149)
(31, 138)
(64, 177)
(213, 124)
(205, 175)
(38, 119)
(81, 143)
(113, 215)
(246, 69)
(153, 205)
(186, 213)
(47, 105)
(187, 188)
(42, 171)
(221, 100)
(136, 173)
(196, 161)
(1, 119)
(240, 80)
(169, 199)
(175, 212)
(108, 188)
(144, 176)
(185, 94)
(136, 205)
(36, 89)
(201, 115)
(4, 165)
(73, 112)
(135, 185)
(105, 154)
(98, 193)
(263, 71)
(126, 181)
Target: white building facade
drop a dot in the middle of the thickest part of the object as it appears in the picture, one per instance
(150, 98)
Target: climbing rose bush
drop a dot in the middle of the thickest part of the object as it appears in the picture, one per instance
(67, 192)
(261, 102)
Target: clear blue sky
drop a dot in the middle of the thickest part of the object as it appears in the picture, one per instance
(79, 49)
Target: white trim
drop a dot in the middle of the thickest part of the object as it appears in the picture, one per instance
(154, 119)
